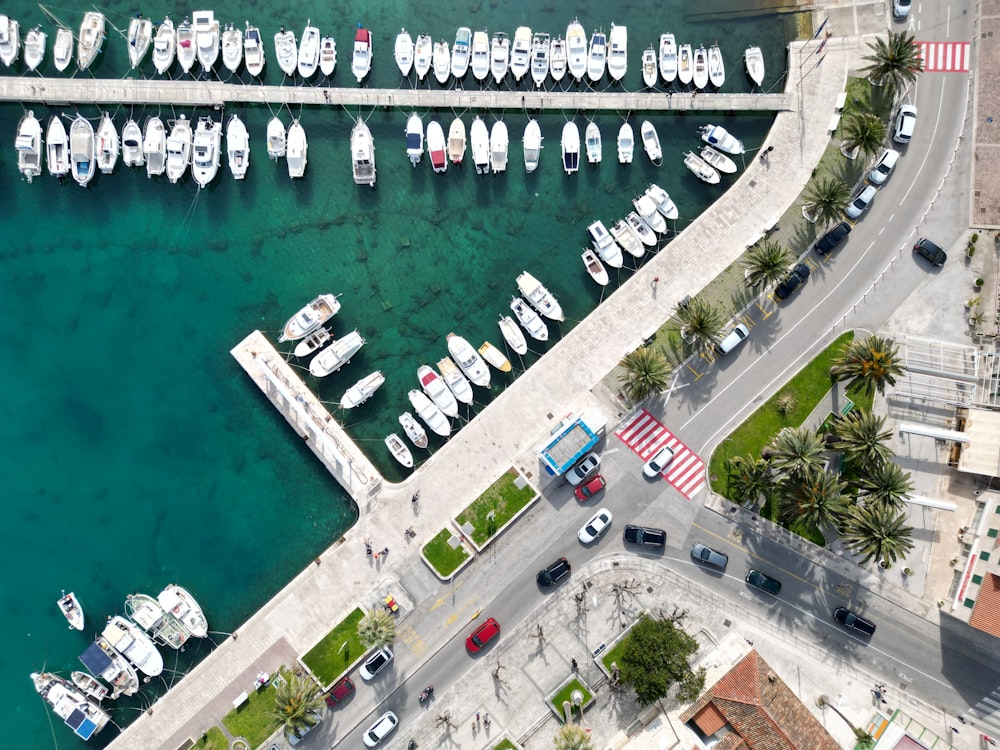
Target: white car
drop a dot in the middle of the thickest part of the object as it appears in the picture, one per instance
(906, 120)
(900, 8)
(295, 739)
(595, 527)
(861, 203)
(583, 469)
(381, 729)
(884, 166)
(654, 467)
(375, 663)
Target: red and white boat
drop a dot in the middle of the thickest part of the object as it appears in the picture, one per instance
(361, 62)
(435, 387)
(436, 146)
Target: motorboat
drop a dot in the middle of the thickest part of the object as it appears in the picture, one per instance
(646, 235)
(649, 69)
(456, 381)
(140, 33)
(456, 141)
(422, 55)
(362, 154)
(276, 139)
(700, 75)
(651, 142)
(154, 146)
(337, 354)
(161, 626)
(592, 137)
(132, 144)
(539, 297)
(164, 46)
(206, 34)
(664, 204)
(361, 60)
(206, 151)
(499, 142)
(520, 53)
(461, 52)
(701, 168)
(429, 412)
(557, 59)
(618, 52)
(232, 48)
(237, 147)
(404, 52)
(480, 61)
(186, 49)
(646, 208)
(494, 356)
(718, 160)
(91, 38)
(532, 142)
(576, 50)
(57, 147)
(399, 450)
(34, 47)
(107, 144)
(104, 662)
(685, 64)
(62, 49)
(512, 334)
(130, 641)
(312, 343)
(28, 144)
(594, 267)
(85, 717)
(626, 143)
(82, 150)
(718, 136)
(414, 138)
(436, 389)
(441, 62)
(69, 605)
(310, 317)
(468, 360)
(530, 320)
(297, 150)
(308, 51)
(716, 66)
(570, 147)
(413, 429)
(363, 390)
(179, 149)
(753, 58)
(89, 685)
(436, 147)
(597, 58)
(604, 244)
(253, 50)
(327, 56)
(179, 602)
(627, 239)
(540, 44)
(285, 51)
(668, 58)
(480, 138)
(499, 57)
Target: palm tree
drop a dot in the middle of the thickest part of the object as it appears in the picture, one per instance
(877, 531)
(885, 484)
(572, 737)
(864, 739)
(797, 452)
(377, 629)
(871, 364)
(864, 132)
(894, 64)
(826, 199)
(701, 321)
(749, 479)
(816, 499)
(646, 372)
(766, 264)
(863, 438)
(297, 701)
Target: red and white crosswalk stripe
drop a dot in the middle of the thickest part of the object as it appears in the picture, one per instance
(645, 435)
(945, 57)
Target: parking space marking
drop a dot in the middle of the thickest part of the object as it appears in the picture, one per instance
(645, 435)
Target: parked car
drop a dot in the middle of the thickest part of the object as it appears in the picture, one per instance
(375, 663)
(708, 556)
(645, 535)
(294, 738)
(884, 166)
(482, 635)
(340, 692)
(906, 120)
(853, 621)
(900, 8)
(733, 339)
(764, 582)
(861, 202)
(583, 469)
(382, 728)
(551, 575)
(832, 239)
(930, 251)
(590, 488)
(796, 278)
(661, 459)
(595, 527)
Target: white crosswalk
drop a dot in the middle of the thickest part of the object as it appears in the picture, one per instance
(645, 435)
(945, 57)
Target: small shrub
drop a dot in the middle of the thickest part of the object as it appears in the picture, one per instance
(974, 238)
(786, 403)
(979, 282)
(970, 250)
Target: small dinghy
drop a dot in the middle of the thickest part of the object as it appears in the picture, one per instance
(700, 76)
(512, 335)
(651, 143)
(494, 356)
(313, 342)
(399, 450)
(413, 429)
(718, 160)
(716, 66)
(69, 605)
(626, 143)
(649, 67)
(594, 267)
(701, 168)
(722, 139)
(754, 60)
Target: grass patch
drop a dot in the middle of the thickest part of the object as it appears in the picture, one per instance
(505, 744)
(495, 507)
(330, 657)
(253, 720)
(613, 654)
(213, 739)
(566, 692)
(445, 558)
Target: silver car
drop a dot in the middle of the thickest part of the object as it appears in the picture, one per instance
(708, 556)
(583, 469)
(861, 203)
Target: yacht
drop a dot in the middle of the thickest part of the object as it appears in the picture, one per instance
(499, 142)
(663, 202)
(309, 51)
(754, 60)
(399, 450)
(436, 148)
(140, 33)
(468, 360)
(362, 154)
(685, 64)
(186, 50)
(718, 160)
(107, 144)
(595, 267)
(422, 54)
(28, 144)
(232, 48)
(132, 145)
(461, 53)
(456, 141)
(539, 297)
(336, 355)
(178, 602)
(205, 152)
(480, 62)
(530, 320)
(626, 143)
(441, 61)
(604, 244)
(310, 318)
(154, 147)
(413, 430)
(618, 52)
(363, 390)
(627, 239)
(164, 46)
(296, 155)
(206, 34)
(10, 40)
(532, 145)
(276, 138)
(91, 38)
(576, 50)
(62, 50)
(361, 61)
(34, 47)
(480, 138)
(722, 139)
(557, 59)
(512, 335)
(649, 74)
(429, 412)
(456, 381)
(327, 56)
(161, 626)
(71, 704)
(716, 66)
(434, 386)
(285, 51)
(641, 229)
(520, 53)
(700, 75)
(178, 149)
(540, 45)
(82, 150)
(253, 50)
(668, 58)
(57, 146)
(651, 142)
(414, 138)
(404, 52)
(701, 168)
(499, 57)
(131, 642)
(571, 147)
(646, 208)
(592, 137)
(597, 59)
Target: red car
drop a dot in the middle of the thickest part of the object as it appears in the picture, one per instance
(340, 692)
(482, 635)
(590, 488)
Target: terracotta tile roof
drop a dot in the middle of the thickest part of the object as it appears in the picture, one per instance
(710, 720)
(986, 613)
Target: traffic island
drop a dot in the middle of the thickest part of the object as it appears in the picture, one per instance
(573, 695)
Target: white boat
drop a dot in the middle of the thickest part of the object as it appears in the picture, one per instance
(140, 34)
(178, 602)
(414, 138)
(206, 34)
(716, 66)
(132, 145)
(327, 56)
(646, 208)
(594, 267)
(540, 44)
(237, 147)
(436, 148)
(604, 244)
(618, 52)
(336, 355)
(722, 139)
(362, 154)
(131, 642)
(89, 686)
(520, 53)
(754, 60)
(664, 204)
(480, 62)
(494, 356)
(164, 46)
(310, 317)
(91, 38)
(62, 49)
(592, 137)
(103, 661)
(232, 48)
(404, 52)
(668, 58)
(363, 390)
(530, 320)
(413, 429)
(70, 704)
(626, 143)
(28, 144)
(107, 144)
(437, 390)
(557, 59)
(160, 625)
(423, 52)
(576, 50)
(499, 57)
(206, 151)
(456, 141)
(429, 412)
(361, 60)
(276, 139)
(480, 138)
(539, 297)
(570, 147)
(456, 381)
(700, 75)
(253, 50)
(641, 229)
(701, 168)
(651, 142)
(499, 142)
(308, 51)
(312, 343)
(597, 58)
(441, 62)
(532, 145)
(297, 150)
(718, 160)
(627, 239)
(82, 149)
(154, 146)
(649, 75)
(468, 360)
(685, 64)
(285, 51)
(186, 49)
(461, 52)
(512, 334)
(399, 450)
(57, 147)
(34, 47)
(69, 605)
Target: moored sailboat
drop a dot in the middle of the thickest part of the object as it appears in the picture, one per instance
(140, 33)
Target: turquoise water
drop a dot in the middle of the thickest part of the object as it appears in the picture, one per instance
(138, 452)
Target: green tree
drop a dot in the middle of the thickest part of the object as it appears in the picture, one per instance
(766, 264)
(797, 452)
(572, 737)
(878, 531)
(894, 63)
(870, 364)
(865, 132)
(377, 629)
(816, 499)
(701, 321)
(749, 478)
(864, 439)
(655, 656)
(646, 372)
(825, 200)
(297, 701)
(885, 484)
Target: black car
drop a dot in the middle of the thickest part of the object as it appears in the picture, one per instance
(855, 622)
(764, 582)
(554, 573)
(932, 252)
(792, 282)
(645, 535)
(832, 239)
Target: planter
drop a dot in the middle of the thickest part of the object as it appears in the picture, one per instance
(979, 283)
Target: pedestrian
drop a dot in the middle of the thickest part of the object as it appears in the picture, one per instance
(955, 730)
(477, 717)
(385, 552)
(572, 663)
(656, 280)
(486, 720)
(770, 149)
(376, 555)
(473, 727)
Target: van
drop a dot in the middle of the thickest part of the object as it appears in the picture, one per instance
(734, 339)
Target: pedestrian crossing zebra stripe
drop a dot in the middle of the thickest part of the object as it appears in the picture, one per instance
(945, 57)
(645, 435)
